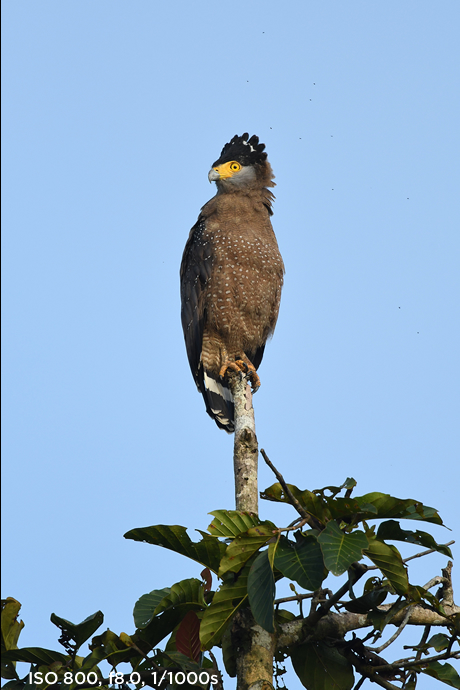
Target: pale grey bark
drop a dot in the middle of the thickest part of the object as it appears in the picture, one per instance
(246, 451)
(254, 647)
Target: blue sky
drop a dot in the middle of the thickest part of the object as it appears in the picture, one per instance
(112, 115)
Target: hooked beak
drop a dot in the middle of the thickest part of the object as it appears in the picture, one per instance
(213, 175)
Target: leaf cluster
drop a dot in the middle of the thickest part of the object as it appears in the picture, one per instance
(244, 558)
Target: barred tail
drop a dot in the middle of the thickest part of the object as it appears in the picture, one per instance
(219, 403)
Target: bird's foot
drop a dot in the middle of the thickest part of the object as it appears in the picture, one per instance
(245, 367)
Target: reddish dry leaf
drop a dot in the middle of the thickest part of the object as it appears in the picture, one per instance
(207, 577)
(188, 636)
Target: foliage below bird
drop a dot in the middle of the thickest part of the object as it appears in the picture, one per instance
(231, 276)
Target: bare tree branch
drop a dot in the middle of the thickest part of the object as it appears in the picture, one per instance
(310, 519)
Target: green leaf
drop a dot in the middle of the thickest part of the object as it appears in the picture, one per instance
(242, 547)
(380, 619)
(79, 632)
(230, 523)
(390, 507)
(438, 642)
(284, 616)
(261, 591)
(11, 629)
(321, 667)
(392, 530)
(92, 660)
(349, 483)
(417, 593)
(189, 591)
(313, 504)
(443, 672)
(229, 653)
(339, 549)
(226, 602)
(301, 562)
(163, 625)
(186, 592)
(388, 559)
(35, 655)
(145, 606)
(111, 647)
(208, 551)
(343, 508)
(367, 602)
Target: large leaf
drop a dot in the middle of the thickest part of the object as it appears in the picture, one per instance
(227, 600)
(163, 625)
(321, 667)
(443, 672)
(208, 551)
(388, 559)
(343, 508)
(144, 608)
(188, 636)
(35, 655)
(390, 507)
(186, 592)
(242, 547)
(301, 562)
(313, 504)
(392, 530)
(261, 591)
(230, 523)
(79, 632)
(339, 549)
(189, 591)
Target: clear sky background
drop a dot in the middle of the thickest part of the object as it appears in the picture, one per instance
(113, 112)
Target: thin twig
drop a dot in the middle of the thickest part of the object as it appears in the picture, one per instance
(425, 553)
(421, 644)
(369, 673)
(219, 685)
(292, 499)
(420, 662)
(294, 527)
(309, 519)
(356, 571)
(297, 597)
(359, 683)
(417, 555)
(377, 650)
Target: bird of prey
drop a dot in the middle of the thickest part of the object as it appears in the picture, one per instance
(231, 276)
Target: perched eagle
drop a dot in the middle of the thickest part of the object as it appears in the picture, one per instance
(231, 276)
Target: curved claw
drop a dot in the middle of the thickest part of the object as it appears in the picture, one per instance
(245, 367)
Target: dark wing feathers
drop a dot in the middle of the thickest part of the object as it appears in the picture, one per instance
(195, 271)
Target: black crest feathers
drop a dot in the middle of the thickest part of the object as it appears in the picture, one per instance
(245, 150)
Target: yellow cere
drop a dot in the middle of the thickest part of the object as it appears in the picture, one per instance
(227, 169)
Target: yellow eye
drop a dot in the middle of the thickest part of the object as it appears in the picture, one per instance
(234, 166)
